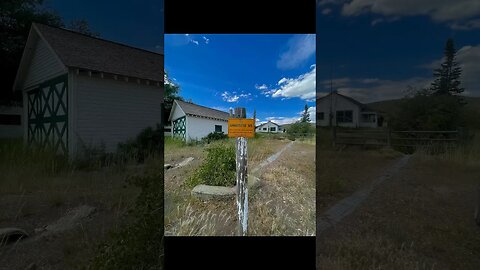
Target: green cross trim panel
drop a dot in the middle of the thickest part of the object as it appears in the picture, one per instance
(180, 127)
(48, 115)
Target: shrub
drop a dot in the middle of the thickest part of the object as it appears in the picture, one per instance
(218, 169)
(147, 143)
(214, 136)
(138, 244)
(300, 128)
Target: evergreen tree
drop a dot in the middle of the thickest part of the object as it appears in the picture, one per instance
(82, 26)
(447, 77)
(172, 91)
(305, 115)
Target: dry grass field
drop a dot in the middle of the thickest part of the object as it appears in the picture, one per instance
(37, 189)
(283, 205)
(421, 218)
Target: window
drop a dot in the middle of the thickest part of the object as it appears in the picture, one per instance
(264, 128)
(218, 128)
(273, 129)
(369, 117)
(321, 116)
(10, 119)
(344, 116)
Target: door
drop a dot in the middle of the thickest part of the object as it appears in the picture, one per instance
(48, 115)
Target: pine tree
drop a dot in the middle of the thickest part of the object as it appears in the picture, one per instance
(447, 77)
(305, 115)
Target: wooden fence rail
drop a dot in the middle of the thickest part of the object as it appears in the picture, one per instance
(387, 137)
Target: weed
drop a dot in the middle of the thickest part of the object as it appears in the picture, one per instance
(218, 169)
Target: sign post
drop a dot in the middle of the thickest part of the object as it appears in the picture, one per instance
(241, 128)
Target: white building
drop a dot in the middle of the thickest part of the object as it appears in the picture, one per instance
(11, 122)
(269, 127)
(80, 91)
(193, 122)
(335, 109)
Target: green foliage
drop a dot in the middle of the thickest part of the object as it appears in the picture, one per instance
(148, 142)
(218, 169)
(305, 115)
(424, 111)
(438, 108)
(138, 244)
(16, 18)
(14, 155)
(214, 136)
(300, 128)
(447, 77)
(172, 92)
(174, 142)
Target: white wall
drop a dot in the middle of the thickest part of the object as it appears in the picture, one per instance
(339, 104)
(267, 125)
(44, 65)
(12, 131)
(198, 128)
(369, 124)
(111, 111)
(177, 113)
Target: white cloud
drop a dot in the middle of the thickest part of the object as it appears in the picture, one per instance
(282, 120)
(166, 80)
(465, 26)
(311, 112)
(300, 48)
(233, 97)
(223, 109)
(261, 87)
(440, 10)
(190, 39)
(206, 39)
(326, 11)
(229, 97)
(374, 89)
(384, 89)
(302, 87)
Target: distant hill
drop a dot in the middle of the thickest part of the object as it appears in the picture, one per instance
(286, 126)
(390, 106)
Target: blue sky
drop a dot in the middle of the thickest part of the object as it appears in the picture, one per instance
(273, 74)
(135, 23)
(375, 50)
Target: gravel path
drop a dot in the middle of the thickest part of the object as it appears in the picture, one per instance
(346, 206)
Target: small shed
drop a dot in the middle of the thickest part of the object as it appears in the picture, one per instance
(80, 91)
(336, 109)
(269, 127)
(193, 122)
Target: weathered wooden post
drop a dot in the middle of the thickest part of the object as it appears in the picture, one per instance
(389, 137)
(241, 128)
(477, 210)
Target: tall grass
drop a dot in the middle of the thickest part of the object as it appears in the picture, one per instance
(16, 157)
(466, 154)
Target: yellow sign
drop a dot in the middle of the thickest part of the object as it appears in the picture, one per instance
(241, 127)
